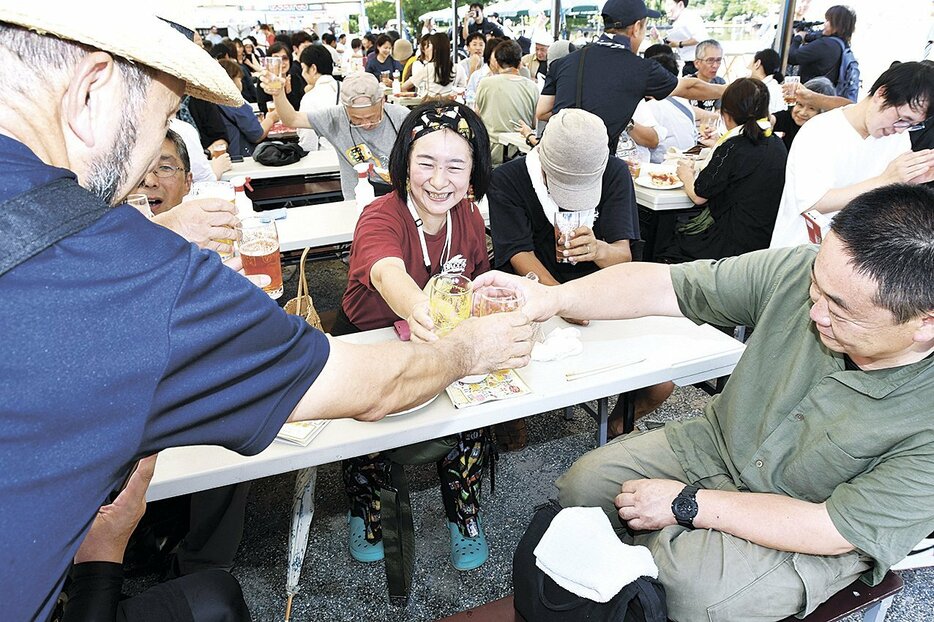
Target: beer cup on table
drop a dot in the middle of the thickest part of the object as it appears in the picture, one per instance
(273, 64)
(789, 86)
(259, 252)
(449, 301)
(222, 190)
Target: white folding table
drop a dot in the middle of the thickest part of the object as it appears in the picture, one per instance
(668, 349)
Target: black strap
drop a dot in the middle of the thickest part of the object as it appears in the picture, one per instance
(398, 535)
(682, 108)
(580, 78)
(35, 220)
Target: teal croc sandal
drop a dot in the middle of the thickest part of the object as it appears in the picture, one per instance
(360, 549)
(468, 553)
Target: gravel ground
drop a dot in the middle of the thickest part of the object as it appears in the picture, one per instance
(336, 588)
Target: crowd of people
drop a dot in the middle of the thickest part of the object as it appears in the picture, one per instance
(812, 224)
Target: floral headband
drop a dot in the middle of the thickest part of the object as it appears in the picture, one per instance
(439, 119)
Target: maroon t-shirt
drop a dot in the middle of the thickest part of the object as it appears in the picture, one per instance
(386, 229)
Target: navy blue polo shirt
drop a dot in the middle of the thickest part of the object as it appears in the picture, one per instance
(615, 80)
(120, 341)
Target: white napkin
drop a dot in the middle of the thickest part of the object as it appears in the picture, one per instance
(581, 553)
(560, 343)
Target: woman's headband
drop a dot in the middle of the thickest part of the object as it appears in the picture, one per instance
(436, 119)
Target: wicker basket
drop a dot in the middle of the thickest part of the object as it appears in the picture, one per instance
(302, 304)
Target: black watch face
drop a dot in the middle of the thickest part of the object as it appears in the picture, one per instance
(684, 508)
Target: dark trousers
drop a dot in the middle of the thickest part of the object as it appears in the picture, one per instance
(206, 596)
(216, 529)
(93, 594)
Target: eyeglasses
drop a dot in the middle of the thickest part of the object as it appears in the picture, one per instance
(165, 170)
(366, 121)
(712, 60)
(904, 124)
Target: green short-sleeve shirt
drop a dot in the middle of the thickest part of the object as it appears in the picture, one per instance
(793, 421)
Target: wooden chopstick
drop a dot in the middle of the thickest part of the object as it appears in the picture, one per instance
(599, 370)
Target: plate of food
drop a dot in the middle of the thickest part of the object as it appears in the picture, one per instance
(414, 408)
(659, 180)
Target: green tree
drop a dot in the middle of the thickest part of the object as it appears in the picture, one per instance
(378, 13)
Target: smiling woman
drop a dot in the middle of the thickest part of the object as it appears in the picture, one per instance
(439, 164)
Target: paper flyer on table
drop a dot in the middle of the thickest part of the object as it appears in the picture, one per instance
(497, 385)
(301, 432)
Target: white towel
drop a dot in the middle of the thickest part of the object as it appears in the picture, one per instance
(560, 343)
(581, 553)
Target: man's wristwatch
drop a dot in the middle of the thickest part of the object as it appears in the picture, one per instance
(684, 507)
(680, 44)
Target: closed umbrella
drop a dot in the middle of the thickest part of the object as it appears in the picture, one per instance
(303, 510)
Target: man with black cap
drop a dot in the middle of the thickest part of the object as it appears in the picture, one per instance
(609, 78)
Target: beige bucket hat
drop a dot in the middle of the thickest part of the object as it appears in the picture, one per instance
(129, 30)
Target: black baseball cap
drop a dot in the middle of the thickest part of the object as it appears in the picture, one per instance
(623, 13)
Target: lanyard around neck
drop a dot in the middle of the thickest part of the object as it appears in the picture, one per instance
(445, 252)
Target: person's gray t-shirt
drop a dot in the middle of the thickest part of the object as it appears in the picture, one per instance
(332, 123)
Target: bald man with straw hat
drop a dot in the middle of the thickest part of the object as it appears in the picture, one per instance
(141, 341)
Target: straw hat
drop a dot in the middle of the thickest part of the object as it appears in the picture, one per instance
(130, 32)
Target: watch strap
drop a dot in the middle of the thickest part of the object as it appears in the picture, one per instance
(688, 493)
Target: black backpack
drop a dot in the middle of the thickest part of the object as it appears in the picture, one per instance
(847, 83)
(539, 599)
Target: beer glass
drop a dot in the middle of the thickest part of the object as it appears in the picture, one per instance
(790, 84)
(139, 201)
(273, 64)
(259, 252)
(449, 301)
(565, 224)
(222, 190)
(217, 149)
(490, 300)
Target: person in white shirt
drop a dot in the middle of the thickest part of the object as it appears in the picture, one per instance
(202, 169)
(439, 76)
(674, 117)
(317, 69)
(766, 66)
(329, 43)
(687, 30)
(848, 151)
(476, 43)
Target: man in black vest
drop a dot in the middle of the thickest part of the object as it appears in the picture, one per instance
(614, 77)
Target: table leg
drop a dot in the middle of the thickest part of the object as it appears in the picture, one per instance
(303, 510)
(629, 414)
(603, 419)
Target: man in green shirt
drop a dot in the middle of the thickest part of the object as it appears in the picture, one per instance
(816, 464)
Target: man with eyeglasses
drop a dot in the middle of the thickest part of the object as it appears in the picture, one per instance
(167, 183)
(362, 128)
(203, 222)
(850, 150)
(707, 64)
